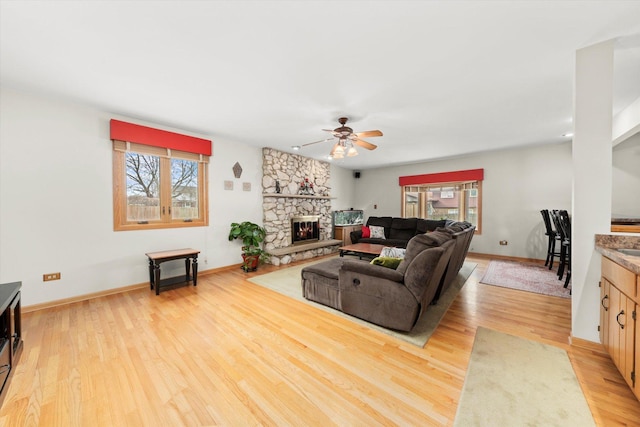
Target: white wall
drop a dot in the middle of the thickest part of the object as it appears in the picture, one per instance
(342, 188)
(517, 185)
(625, 199)
(56, 202)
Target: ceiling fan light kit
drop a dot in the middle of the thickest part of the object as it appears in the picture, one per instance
(347, 138)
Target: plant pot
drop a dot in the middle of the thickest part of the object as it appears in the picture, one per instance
(250, 262)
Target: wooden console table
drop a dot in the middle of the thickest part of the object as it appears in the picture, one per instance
(190, 257)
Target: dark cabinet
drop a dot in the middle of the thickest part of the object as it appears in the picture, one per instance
(10, 333)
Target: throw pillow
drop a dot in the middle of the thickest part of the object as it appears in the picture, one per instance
(387, 262)
(377, 232)
(393, 252)
(366, 233)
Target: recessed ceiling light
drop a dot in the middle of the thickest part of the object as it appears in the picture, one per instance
(296, 147)
(568, 134)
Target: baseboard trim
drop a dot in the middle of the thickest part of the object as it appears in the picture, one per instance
(586, 344)
(506, 258)
(85, 297)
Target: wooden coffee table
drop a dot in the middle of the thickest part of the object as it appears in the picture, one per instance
(362, 249)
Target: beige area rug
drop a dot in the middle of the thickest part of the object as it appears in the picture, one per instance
(288, 282)
(513, 381)
(526, 277)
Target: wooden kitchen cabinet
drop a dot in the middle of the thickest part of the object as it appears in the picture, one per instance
(619, 331)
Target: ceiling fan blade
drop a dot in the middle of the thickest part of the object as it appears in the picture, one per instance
(369, 133)
(364, 144)
(316, 142)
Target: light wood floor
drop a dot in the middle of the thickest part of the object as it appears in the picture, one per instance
(229, 352)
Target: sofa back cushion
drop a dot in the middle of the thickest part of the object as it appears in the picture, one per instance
(380, 221)
(403, 228)
(426, 225)
(419, 243)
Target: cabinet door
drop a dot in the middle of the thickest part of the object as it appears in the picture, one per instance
(614, 327)
(636, 388)
(605, 305)
(627, 337)
(622, 332)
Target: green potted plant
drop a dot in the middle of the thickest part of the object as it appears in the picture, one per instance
(252, 236)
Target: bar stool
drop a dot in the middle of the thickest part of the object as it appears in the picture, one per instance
(552, 236)
(565, 225)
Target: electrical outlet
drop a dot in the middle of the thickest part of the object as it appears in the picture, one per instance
(503, 243)
(50, 276)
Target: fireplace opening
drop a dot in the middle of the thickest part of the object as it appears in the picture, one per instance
(305, 229)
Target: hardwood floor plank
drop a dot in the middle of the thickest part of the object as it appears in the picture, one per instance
(229, 352)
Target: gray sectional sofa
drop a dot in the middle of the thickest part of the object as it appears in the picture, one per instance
(392, 298)
(397, 231)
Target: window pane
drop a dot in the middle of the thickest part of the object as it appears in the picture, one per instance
(471, 203)
(143, 198)
(184, 189)
(411, 207)
(443, 204)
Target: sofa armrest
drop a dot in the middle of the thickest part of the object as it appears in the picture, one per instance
(355, 235)
(376, 271)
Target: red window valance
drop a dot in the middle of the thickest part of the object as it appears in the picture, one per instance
(432, 178)
(123, 131)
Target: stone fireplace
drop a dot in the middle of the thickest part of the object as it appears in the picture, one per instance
(282, 176)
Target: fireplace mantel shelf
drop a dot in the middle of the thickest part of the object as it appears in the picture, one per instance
(296, 196)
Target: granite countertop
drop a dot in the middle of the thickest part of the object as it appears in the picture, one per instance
(607, 244)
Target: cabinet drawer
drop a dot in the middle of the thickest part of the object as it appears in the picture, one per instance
(622, 278)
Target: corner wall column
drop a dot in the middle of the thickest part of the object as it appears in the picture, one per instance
(592, 168)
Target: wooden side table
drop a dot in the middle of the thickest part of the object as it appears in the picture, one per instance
(190, 257)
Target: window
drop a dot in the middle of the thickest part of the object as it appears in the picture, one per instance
(158, 187)
(433, 196)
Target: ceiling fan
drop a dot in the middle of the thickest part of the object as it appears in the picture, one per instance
(346, 140)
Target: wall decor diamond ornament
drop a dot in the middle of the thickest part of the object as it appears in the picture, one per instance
(237, 170)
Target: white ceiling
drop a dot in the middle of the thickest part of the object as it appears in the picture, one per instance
(439, 78)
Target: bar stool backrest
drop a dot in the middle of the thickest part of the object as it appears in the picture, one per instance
(547, 222)
(565, 224)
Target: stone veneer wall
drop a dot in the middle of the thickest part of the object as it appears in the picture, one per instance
(290, 170)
